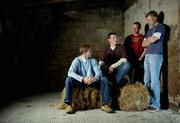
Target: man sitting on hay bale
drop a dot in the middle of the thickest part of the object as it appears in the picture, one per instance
(84, 71)
(114, 63)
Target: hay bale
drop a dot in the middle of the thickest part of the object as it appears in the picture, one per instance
(85, 98)
(134, 97)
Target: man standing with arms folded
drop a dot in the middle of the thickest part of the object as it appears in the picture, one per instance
(153, 42)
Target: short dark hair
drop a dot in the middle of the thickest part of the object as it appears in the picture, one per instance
(152, 13)
(111, 33)
(84, 48)
(137, 23)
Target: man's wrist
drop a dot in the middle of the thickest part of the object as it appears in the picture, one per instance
(112, 66)
(95, 79)
(82, 80)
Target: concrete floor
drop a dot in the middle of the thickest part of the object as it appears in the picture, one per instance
(41, 109)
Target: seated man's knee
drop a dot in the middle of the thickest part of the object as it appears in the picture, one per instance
(126, 66)
(104, 80)
(68, 80)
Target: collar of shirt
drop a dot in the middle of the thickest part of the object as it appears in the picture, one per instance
(83, 59)
(113, 49)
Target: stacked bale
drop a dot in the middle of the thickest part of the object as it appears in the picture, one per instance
(134, 97)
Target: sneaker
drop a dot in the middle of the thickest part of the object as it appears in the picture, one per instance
(152, 108)
(107, 109)
(69, 109)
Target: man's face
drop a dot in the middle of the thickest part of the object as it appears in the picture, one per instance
(88, 54)
(113, 40)
(136, 29)
(151, 20)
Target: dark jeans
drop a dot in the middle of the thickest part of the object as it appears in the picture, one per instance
(136, 72)
(70, 83)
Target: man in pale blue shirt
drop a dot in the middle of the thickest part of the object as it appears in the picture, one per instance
(85, 70)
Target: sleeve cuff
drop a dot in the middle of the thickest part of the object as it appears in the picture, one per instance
(81, 79)
(157, 35)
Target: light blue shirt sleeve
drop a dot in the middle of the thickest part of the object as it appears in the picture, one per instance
(73, 70)
(97, 70)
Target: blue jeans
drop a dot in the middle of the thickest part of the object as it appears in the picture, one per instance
(118, 73)
(152, 67)
(70, 83)
(121, 71)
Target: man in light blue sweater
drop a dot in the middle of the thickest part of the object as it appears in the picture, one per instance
(85, 70)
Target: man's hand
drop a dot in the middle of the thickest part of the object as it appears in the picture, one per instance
(89, 80)
(145, 43)
(86, 80)
(140, 58)
(92, 80)
(152, 39)
(110, 70)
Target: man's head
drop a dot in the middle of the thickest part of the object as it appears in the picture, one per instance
(152, 18)
(112, 38)
(86, 50)
(136, 27)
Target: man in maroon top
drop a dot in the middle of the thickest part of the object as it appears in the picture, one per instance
(114, 64)
(113, 60)
(135, 52)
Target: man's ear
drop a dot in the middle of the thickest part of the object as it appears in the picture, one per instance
(108, 40)
(156, 18)
(84, 52)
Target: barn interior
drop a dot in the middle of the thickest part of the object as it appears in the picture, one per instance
(40, 38)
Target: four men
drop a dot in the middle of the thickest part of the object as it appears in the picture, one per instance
(116, 61)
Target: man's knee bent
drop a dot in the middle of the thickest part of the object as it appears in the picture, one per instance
(68, 80)
(125, 66)
(104, 80)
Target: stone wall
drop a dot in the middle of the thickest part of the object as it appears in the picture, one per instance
(78, 27)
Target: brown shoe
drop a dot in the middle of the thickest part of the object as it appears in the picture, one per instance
(107, 109)
(69, 109)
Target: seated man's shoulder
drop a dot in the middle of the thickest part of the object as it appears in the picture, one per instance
(93, 60)
(76, 59)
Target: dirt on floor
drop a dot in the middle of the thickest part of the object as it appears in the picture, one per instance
(42, 109)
